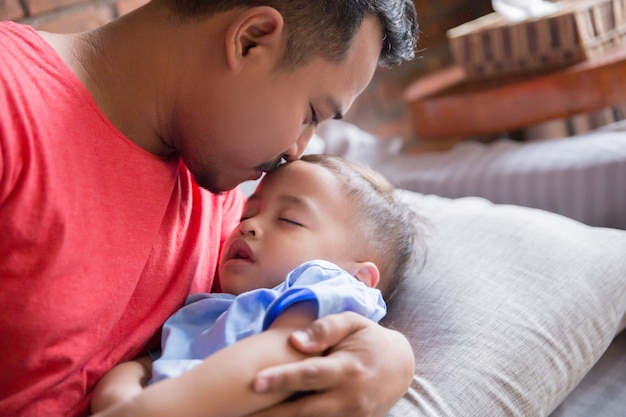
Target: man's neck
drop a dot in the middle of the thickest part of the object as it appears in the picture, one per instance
(117, 63)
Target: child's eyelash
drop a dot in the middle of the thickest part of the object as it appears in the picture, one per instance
(289, 221)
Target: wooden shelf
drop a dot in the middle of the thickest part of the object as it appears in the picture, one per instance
(446, 104)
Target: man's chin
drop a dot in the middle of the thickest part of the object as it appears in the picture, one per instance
(211, 185)
(217, 184)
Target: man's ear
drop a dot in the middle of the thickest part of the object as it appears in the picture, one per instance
(255, 31)
(367, 273)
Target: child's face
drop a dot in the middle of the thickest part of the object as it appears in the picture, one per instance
(298, 213)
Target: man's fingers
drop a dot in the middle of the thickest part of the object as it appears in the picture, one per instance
(317, 405)
(312, 374)
(289, 409)
(362, 375)
(327, 331)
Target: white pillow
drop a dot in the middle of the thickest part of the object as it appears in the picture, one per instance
(513, 308)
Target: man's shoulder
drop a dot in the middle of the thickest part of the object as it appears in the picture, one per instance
(18, 42)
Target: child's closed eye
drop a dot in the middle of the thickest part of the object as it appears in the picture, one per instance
(290, 221)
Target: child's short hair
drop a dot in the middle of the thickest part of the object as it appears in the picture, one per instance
(393, 233)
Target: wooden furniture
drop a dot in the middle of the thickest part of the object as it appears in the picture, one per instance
(447, 105)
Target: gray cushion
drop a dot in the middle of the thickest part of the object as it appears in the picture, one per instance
(514, 306)
(603, 390)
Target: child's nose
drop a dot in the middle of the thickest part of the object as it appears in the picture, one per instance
(249, 227)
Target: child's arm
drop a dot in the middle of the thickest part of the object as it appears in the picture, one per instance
(221, 385)
(121, 383)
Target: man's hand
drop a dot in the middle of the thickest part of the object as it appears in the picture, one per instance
(365, 370)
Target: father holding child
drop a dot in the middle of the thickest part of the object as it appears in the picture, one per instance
(118, 148)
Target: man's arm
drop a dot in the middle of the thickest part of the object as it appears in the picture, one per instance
(366, 371)
(222, 385)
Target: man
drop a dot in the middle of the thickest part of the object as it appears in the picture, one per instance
(105, 231)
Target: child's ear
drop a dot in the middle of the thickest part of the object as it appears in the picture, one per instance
(367, 273)
(255, 31)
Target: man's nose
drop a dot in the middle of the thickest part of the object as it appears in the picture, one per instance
(296, 150)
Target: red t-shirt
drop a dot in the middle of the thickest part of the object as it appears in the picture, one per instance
(100, 240)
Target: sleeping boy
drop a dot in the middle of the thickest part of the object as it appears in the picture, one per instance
(320, 235)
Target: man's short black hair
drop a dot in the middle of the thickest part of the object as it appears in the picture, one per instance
(326, 28)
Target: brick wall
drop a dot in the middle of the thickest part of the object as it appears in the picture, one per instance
(65, 15)
(380, 109)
